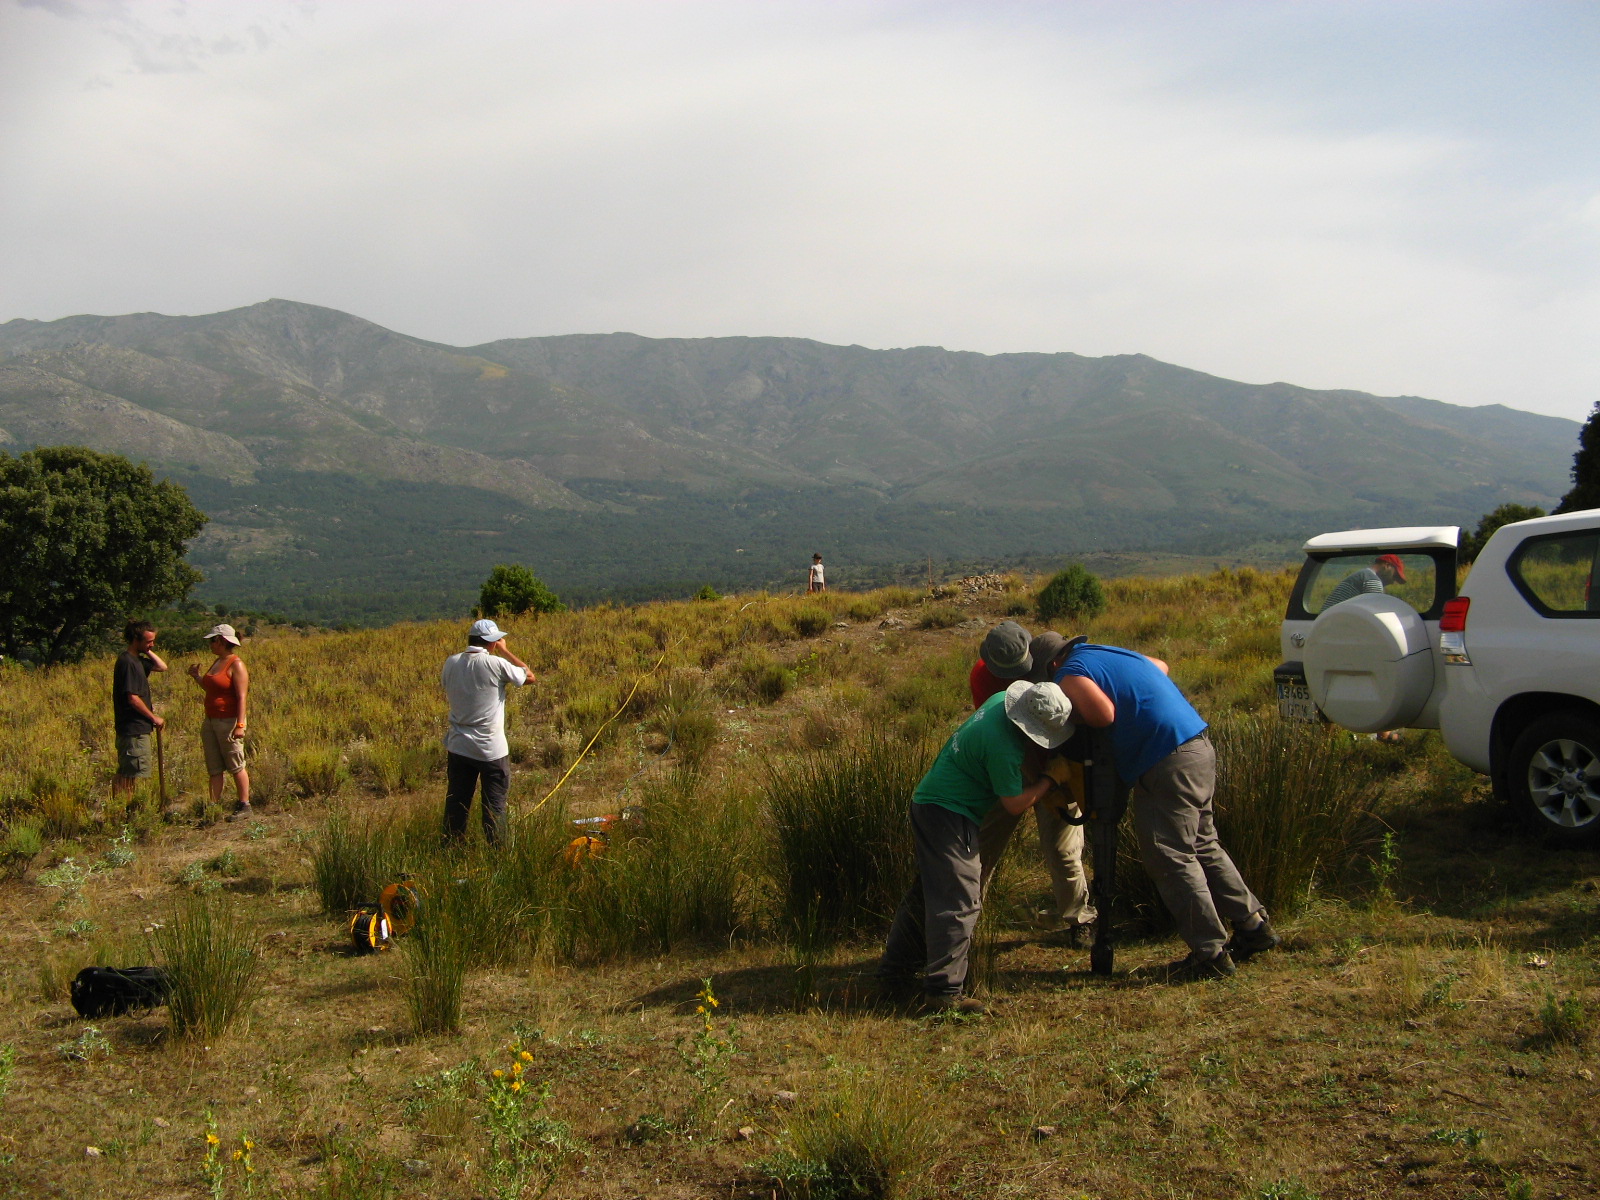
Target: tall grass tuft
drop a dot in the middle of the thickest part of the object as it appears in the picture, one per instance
(843, 846)
(438, 952)
(208, 949)
(358, 852)
(863, 1142)
(1292, 803)
(681, 876)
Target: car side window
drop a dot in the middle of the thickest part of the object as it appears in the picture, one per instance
(1343, 577)
(1555, 574)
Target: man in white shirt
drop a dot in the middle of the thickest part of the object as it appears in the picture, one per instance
(475, 683)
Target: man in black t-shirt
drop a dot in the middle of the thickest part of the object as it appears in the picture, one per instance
(130, 705)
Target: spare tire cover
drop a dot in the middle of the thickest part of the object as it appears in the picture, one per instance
(1369, 663)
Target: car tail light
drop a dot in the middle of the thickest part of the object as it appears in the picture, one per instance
(1454, 619)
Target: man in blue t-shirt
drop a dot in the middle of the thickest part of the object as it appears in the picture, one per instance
(1159, 745)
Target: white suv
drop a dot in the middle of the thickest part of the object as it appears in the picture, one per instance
(1376, 637)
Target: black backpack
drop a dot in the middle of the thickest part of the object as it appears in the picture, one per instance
(112, 991)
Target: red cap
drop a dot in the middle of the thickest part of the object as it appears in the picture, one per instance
(1393, 560)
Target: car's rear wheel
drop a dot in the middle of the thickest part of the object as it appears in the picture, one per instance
(1553, 774)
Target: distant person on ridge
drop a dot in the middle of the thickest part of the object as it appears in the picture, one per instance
(1386, 570)
(475, 683)
(131, 714)
(815, 582)
(1007, 654)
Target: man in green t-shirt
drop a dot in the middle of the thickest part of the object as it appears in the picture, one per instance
(982, 765)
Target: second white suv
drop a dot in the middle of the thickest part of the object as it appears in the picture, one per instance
(1508, 669)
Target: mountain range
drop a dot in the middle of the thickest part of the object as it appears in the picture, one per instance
(354, 471)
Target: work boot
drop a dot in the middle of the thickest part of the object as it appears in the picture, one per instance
(1196, 966)
(1079, 936)
(965, 1006)
(1245, 944)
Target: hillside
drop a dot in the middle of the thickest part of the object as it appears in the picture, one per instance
(352, 472)
(1426, 1029)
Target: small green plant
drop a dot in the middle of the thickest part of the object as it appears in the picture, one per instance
(1564, 1021)
(1285, 1189)
(23, 843)
(527, 1147)
(1130, 1079)
(1470, 1138)
(120, 852)
(208, 949)
(1074, 593)
(705, 1056)
(1385, 866)
(68, 877)
(707, 592)
(88, 1045)
(8, 1062)
(194, 873)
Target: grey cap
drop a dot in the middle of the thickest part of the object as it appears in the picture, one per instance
(486, 630)
(1044, 650)
(1005, 651)
(1040, 710)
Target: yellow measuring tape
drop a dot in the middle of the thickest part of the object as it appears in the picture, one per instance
(598, 732)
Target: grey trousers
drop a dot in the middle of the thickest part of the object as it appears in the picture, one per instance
(1178, 843)
(932, 929)
(1062, 846)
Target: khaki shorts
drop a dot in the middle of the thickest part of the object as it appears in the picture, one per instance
(133, 756)
(224, 752)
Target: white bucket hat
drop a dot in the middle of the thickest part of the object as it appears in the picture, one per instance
(1040, 710)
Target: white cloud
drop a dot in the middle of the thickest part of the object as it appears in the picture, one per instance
(889, 175)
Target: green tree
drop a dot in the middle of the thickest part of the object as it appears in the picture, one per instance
(1585, 491)
(1472, 544)
(88, 538)
(1074, 592)
(512, 589)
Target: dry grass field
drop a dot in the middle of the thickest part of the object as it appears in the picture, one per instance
(691, 1014)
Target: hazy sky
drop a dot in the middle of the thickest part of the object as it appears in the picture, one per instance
(1399, 197)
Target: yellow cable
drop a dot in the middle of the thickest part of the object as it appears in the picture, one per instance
(597, 734)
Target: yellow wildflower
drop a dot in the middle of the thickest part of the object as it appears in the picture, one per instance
(525, 1056)
(516, 1068)
(212, 1139)
(516, 1085)
(499, 1074)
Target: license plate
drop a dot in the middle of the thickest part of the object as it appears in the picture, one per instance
(1294, 700)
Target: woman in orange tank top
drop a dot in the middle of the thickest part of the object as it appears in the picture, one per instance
(226, 688)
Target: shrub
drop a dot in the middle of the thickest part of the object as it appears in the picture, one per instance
(319, 771)
(1074, 593)
(707, 592)
(940, 616)
(843, 855)
(208, 950)
(512, 589)
(1564, 1020)
(863, 1142)
(811, 620)
(357, 853)
(23, 842)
